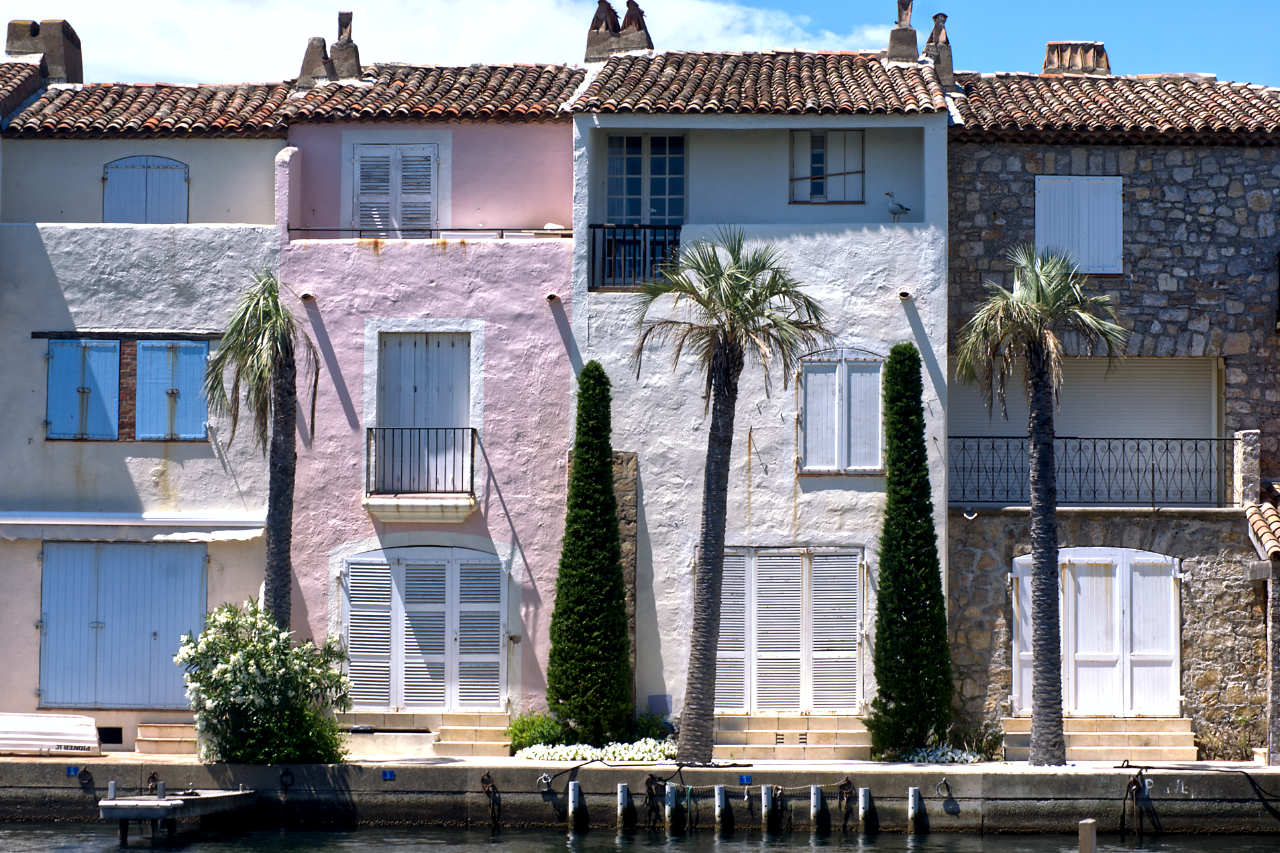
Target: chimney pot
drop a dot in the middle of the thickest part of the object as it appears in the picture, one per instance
(57, 40)
(608, 36)
(344, 53)
(1076, 57)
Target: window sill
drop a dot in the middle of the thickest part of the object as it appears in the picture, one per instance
(826, 202)
(438, 508)
(851, 472)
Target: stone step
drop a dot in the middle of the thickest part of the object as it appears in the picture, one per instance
(1133, 753)
(465, 748)
(788, 723)
(392, 722)
(489, 734)
(167, 730)
(165, 745)
(803, 738)
(471, 720)
(1109, 725)
(390, 744)
(791, 753)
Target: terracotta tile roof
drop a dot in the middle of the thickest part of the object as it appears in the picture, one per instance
(477, 92)
(1165, 109)
(788, 83)
(18, 81)
(1264, 523)
(251, 110)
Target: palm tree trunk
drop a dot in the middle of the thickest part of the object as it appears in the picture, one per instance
(697, 719)
(282, 463)
(1048, 745)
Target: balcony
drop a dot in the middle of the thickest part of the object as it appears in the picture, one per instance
(625, 256)
(1095, 471)
(420, 473)
(297, 232)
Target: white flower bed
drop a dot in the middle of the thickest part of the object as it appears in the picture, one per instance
(642, 750)
(943, 755)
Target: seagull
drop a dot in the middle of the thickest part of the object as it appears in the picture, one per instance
(896, 209)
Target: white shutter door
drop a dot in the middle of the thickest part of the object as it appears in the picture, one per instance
(820, 420)
(1092, 638)
(424, 634)
(863, 396)
(1022, 658)
(1058, 215)
(835, 604)
(731, 649)
(124, 193)
(369, 627)
(1153, 639)
(68, 619)
(1102, 234)
(374, 200)
(447, 408)
(400, 461)
(416, 197)
(166, 191)
(779, 614)
(801, 144)
(479, 635)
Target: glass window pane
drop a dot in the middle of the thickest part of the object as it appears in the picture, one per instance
(633, 186)
(658, 207)
(633, 145)
(675, 209)
(633, 209)
(675, 186)
(633, 165)
(675, 165)
(615, 145)
(675, 145)
(658, 146)
(657, 186)
(658, 166)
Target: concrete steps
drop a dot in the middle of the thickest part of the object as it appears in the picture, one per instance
(817, 737)
(474, 734)
(166, 739)
(425, 735)
(1110, 739)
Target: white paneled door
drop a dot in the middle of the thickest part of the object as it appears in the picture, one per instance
(789, 625)
(1120, 633)
(426, 628)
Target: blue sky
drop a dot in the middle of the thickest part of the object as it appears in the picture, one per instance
(205, 41)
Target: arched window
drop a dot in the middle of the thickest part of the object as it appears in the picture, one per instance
(840, 412)
(145, 190)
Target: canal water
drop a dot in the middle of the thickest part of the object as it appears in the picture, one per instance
(100, 838)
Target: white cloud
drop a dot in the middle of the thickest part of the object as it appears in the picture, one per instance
(218, 41)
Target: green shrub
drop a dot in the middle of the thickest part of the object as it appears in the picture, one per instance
(652, 724)
(912, 655)
(986, 740)
(535, 729)
(258, 698)
(589, 666)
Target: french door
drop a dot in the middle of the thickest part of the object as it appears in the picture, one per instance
(426, 628)
(1119, 611)
(789, 631)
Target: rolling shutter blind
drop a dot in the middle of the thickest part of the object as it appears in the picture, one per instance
(731, 651)
(863, 396)
(821, 401)
(395, 188)
(835, 603)
(1084, 217)
(170, 402)
(84, 389)
(425, 614)
(1153, 639)
(369, 603)
(778, 630)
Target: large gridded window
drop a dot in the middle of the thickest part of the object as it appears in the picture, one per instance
(646, 180)
(841, 429)
(145, 191)
(1084, 216)
(827, 167)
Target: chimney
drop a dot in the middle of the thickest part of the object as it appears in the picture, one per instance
(1076, 57)
(938, 49)
(903, 46)
(606, 36)
(56, 40)
(342, 63)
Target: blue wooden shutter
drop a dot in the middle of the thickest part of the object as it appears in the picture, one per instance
(101, 405)
(166, 191)
(68, 632)
(63, 406)
(152, 400)
(192, 414)
(125, 592)
(170, 402)
(177, 606)
(124, 194)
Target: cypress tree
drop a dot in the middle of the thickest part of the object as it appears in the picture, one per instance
(589, 668)
(912, 654)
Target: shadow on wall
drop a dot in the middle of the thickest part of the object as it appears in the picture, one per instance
(650, 674)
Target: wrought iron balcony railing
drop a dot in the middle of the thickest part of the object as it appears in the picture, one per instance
(627, 255)
(420, 460)
(1098, 471)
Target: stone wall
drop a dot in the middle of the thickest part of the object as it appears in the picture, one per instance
(1223, 628)
(1200, 247)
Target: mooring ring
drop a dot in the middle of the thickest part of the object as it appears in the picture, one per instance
(938, 788)
(286, 779)
(544, 783)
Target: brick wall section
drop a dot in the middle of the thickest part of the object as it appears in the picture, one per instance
(1224, 671)
(1200, 244)
(128, 389)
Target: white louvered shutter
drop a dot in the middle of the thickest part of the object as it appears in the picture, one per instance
(779, 630)
(1153, 639)
(374, 200)
(369, 633)
(1103, 237)
(801, 144)
(1057, 214)
(416, 197)
(479, 634)
(835, 607)
(863, 396)
(424, 634)
(1022, 658)
(731, 649)
(820, 382)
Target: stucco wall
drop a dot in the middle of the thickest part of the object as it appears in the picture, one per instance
(497, 175)
(856, 271)
(60, 180)
(1224, 672)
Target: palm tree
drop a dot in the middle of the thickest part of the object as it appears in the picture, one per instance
(259, 346)
(1049, 301)
(730, 304)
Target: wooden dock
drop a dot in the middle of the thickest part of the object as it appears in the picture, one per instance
(173, 807)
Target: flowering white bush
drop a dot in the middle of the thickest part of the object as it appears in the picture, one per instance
(942, 755)
(647, 749)
(258, 698)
